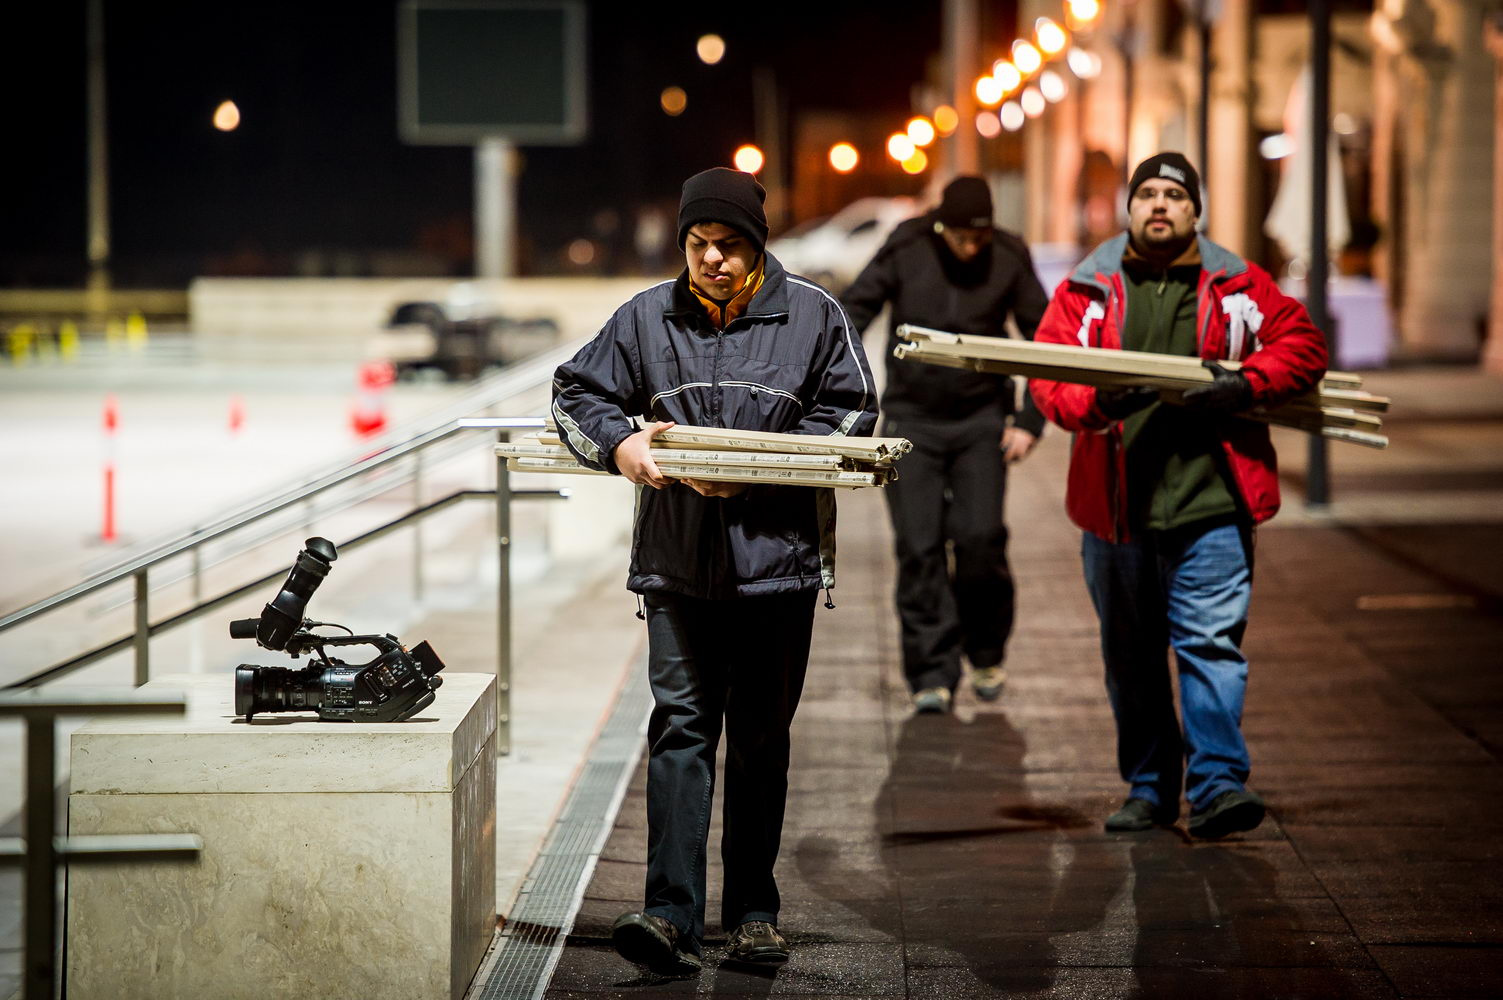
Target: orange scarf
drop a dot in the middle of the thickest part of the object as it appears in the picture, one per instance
(722, 317)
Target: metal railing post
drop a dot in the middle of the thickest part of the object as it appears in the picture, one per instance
(41, 859)
(142, 637)
(417, 527)
(41, 851)
(503, 600)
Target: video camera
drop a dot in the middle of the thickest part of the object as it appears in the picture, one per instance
(396, 685)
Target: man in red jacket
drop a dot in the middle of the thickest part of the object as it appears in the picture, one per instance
(1169, 489)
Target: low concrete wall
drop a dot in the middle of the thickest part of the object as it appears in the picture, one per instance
(336, 319)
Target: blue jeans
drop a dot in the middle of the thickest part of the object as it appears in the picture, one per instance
(736, 664)
(1188, 589)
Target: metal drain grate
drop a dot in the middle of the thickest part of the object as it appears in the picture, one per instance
(521, 964)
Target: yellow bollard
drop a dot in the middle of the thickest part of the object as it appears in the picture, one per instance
(114, 333)
(46, 345)
(67, 340)
(20, 341)
(135, 330)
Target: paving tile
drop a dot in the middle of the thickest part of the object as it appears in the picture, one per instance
(1442, 971)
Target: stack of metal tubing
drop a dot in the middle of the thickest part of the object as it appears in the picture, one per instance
(1337, 408)
(718, 454)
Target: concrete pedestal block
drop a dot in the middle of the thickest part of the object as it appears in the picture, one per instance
(340, 859)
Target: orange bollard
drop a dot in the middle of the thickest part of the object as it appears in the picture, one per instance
(368, 416)
(111, 424)
(237, 414)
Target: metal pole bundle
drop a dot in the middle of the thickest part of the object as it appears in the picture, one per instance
(726, 455)
(1336, 409)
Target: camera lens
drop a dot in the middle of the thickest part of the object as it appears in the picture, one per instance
(278, 689)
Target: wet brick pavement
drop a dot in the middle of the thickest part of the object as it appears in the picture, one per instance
(962, 855)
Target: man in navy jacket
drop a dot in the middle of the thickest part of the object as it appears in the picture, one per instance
(728, 572)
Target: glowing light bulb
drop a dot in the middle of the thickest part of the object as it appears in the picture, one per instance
(227, 116)
(1033, 102)
(921, 131)
(916, 163)
(1025, 57)
(988, 90)
(673, 101)
(1052, 38)
(1052, 86)
(1007, 74)
(900, 147)
(748, 158)
(710, 49)
(945, 119)
(988, 125)
(843, 157)
(1012, 116)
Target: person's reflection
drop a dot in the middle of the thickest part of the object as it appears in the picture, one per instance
(979, 868)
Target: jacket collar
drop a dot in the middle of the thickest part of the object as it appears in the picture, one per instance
(771, 299)
(1105, 262)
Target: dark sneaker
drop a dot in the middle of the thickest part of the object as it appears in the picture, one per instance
(932, 701)
(655, 944)
(1139, 814)
(1229, 812)
(988, 682)
(757, 942)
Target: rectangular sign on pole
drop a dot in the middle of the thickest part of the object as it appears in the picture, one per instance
(469, 70)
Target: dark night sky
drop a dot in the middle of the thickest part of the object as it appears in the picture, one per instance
(317, 162)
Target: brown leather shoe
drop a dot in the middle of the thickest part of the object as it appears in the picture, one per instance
(655, 944)
(757, 942)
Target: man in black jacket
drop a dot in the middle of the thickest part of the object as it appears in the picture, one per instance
(728, 572)
(953, 270)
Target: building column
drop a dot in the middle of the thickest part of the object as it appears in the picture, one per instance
(1492, 349)
(1229, 179)
(1445, 236)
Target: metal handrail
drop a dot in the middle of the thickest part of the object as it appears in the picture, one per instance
(525, 375)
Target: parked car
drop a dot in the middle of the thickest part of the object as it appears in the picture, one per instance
(459, 337)
(833, 250)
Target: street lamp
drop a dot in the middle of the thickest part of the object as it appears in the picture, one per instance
(900, 147)
(1052, 38)
(710, 49)
(1025, 57)
(989, 91)
(748, 158)
(921, 130)
(843, 157)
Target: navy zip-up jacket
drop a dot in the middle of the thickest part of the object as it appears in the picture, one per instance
(791, 362)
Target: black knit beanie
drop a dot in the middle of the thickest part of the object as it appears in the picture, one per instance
(1171, 167)
(966, 204)
(730, 197)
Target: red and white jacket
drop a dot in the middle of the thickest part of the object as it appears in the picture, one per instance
(1240, 314)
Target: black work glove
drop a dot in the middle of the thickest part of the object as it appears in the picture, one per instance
(1230, 393)
(1123, 401)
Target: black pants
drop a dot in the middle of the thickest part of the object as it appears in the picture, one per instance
(739, 663)
(950, 492)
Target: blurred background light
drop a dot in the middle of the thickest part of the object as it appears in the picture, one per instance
(1052, 86)
(1052, 38)
(989, 90)
(673, 100)
(1081, 13)
(1025, 57)
(1276, 147)
(581, 252)
(227, 116)
(1084, 64)
(748, 158)
(711, 49)
(1033, 102)
(1343, 124)
(843, 157)
(916, 163)
(1007, 74)
(988, 125)
(899, 146)
(921, 130)
(945, 119)
(1011, 116)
